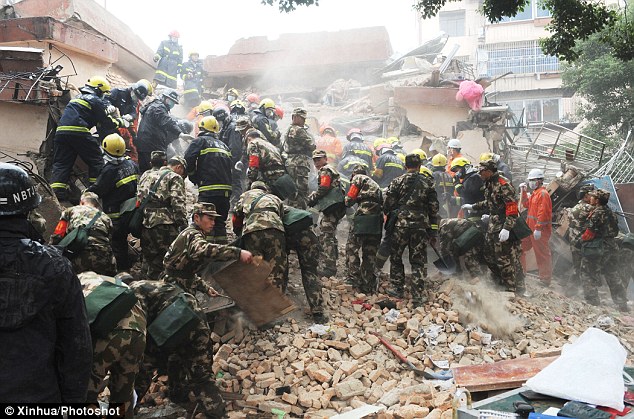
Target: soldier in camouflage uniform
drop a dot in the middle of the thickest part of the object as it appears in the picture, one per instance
(450, 230)
(97, 255)
(298, 146)
(577, 219)
(367, 194)
(306, 244)
(503, 251)
(412, 205)
(328, 179)
(258, 218)
(602, 225)
(118, 353)
(189, 365)
(190, 252)
(265, 160)
(165, 214)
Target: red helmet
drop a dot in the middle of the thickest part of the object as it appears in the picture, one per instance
(253, 98)
(279, 112)
(353, 131)
(175, 34)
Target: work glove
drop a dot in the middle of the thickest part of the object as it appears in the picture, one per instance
(122, 123)
(156, 58)
(485, 218)
(537, 234)
(111, 109)
(504, 235)
(467, 207)
(523, 185)
(128, 117)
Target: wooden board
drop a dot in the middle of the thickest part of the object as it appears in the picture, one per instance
(248, 285)
(499, 375)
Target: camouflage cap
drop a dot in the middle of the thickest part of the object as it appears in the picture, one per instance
(318, 154)
(258, 184)
(179, 160)
(488, 165)
(360, 169)
(206, 208)
(242, 123)
(601, 194)
(253, 133)
(157, 154)
(90, 195)
(300, 112)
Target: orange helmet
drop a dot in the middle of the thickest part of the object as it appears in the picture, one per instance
(279, 112)
(323, 129)
(253, 98)
(175, 34)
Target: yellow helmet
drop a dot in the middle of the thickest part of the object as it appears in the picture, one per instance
(100, 83)
(209, 123)
(392, 140)
(114, 145)
(425, 171)
(205, 107)
(267, 103)
(379, 141)
(439, 160)
(421, 153)
(486, 156)
(401, 156)
(459, 162)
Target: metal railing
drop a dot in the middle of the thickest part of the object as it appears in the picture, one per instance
(524, 57)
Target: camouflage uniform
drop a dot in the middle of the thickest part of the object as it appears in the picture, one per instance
(189, 367)
(578, 217)
(259, 216)
(502, 258)
(412, 199)
(97, 255)
(328, 178)
(299, 145)
(450, 230)
(189, 254)
(367, 193)
(117, 353)
(265, 162)
(164, 216)
(602, 224)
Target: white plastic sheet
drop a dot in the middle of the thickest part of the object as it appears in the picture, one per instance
(589, 370)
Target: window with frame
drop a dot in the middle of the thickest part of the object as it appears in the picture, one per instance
(532, 10)
(536, 110)
(453, 22)
(520, 58)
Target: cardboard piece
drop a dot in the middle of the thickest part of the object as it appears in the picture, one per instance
(249, 286)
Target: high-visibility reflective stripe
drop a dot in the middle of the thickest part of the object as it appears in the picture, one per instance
(176, 52)
(366, 152)
(434, 226)
(214, 188)
(400, 166)
(71, 128)
(114, 215)
(165, 74)
(167, 49)
(92, 179)
(215, 150)
(127, 180)
(82, 102)
(190, 91)
(450, 184)
(59, 185)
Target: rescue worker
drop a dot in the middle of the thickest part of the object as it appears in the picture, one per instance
(453, 152)
(258, 219)
(157, 128)
(330, 202)
(503, 168)
(117, 353)
(329, 142)
(235, 141)
(186, 358)
(165, 214)
(262, 120)
(265, 160)
(358, 148)
(301, 238)
(578, 218)
(279, 113)
(232, 95)
(600, 252)
(221, 113)
(169, 57)
(209, 164)
(444, 187)
(348, 163)
(44, 333)
(253, 102)
(365, 230)
(237, 108)
(298, 146)
(190, 252)
(473, 257)
(539, 219)
(468, 186)
(192, 74)
(128, 102)
(412, 209)
(97, 255)
(388, 166)
(73, 137)
(397, 147)
(116, 186)
(502, 251)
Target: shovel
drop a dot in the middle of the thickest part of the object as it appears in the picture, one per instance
(446, 265)
(444, 375)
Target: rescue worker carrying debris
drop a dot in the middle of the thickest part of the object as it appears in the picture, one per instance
(262, 120)
(44, 333)
(412, 209)
(461, 237)
(95, 254)
(169, 57)
(358, 148)
(539, 219)
(192, 75)
(157, 128)
(73, 136)
(578, 218)
(599, 252)
(209, 162)
(329, 200)
(165, 213)
(388, 166)
(190, 252)
(117, 187)
(299, 146)
(502, 250)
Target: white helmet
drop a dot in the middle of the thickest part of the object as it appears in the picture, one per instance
(454, 143)
(535, 174)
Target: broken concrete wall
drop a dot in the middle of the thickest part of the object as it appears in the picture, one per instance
(23, 127)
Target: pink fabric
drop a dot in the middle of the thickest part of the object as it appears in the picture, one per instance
(471, 92)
